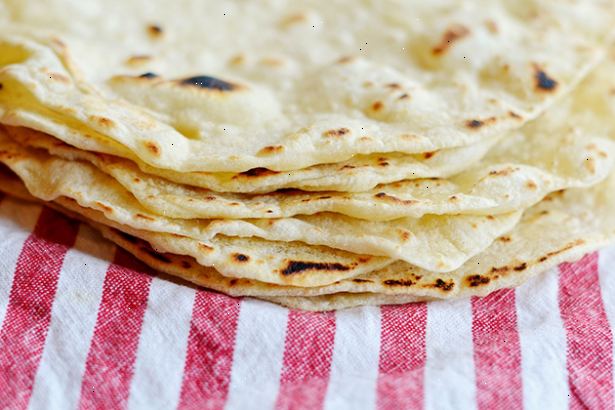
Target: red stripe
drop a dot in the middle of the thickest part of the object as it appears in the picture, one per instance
(110, 361)
(307, 360)
(588, 335)
(209, 357)
(497, 351)
(25, 326)
(402, 357)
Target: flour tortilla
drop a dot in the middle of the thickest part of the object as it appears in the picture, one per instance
(561, 228)
(438, 243)
(285, 86)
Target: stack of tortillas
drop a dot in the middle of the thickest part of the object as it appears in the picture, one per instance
(319, 154)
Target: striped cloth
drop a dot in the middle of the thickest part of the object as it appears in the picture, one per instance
(83, 325)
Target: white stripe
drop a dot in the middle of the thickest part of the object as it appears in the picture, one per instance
(543, 343)
(159, 365)
(354, 366)
(449, 370)
(258, 355)
(57, 384)
(17, 220)
(606, 270)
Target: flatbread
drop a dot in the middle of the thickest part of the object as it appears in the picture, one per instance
(438, 243)
(291, 85)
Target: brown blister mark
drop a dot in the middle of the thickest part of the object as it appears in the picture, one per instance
(453, 198)
(476, 124)
(404, 96)
(272, 62)
(404, 235)
(491, 217)
(347, 167)
(104, 207)
(477, 280)
(146, 217)
(102, 121)
(234, 204)
(391, 198)
(339, 132)
(568, 246)
(59, 77)
(240, 257)
(363, 281)
(520, 267)
(531, 185)
(136, 180)
(137, 60)
(444, 285)
(399, 282)
(504, 239)
(294, 267)
(383, 163)
(514, 115)
(393, 86)
(185, 264)
(453, 33)
(428, 155)
(238, 59)
(206, 82)
(602, 154)
(1, 86)
(346, 60)
(271, 149)
(503, 172)
(293, 19)
(590, 164)
(233, 282)
(152, 147)
(256, 173)
(205, 248)
(377, 106)
(177, 235)
(542, 81)
(154, 31)
(492, 27)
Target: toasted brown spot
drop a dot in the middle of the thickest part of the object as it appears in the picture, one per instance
(602, 154)
(240, 257)
(542, 81)
(337, 132)
(1, 86)
(152, 147)
(383, 163)
(453, 198)
(428, 155)
(403, 96)
(399, 282)
(154, 31)
(452, 34)
(387, 197)
(185, 264)
(346, 60)
(300, 266)
(256, 172)
(146, 217)
(490, 217)
(514, 115)
(59, 77)
(531, 185)
(377, 105)
(137, 60)
(477, 280)
(491, 26)
(178, 235)
(564, 249)
(476, 124)
(233, 282)
(445, 286)
(504, 239)
(272, 62)
(362, 281)
(102, 121)
(237, 60)
(293, 19)
(404, 235)
(520, 267)
(503, 172)
(205, 248)
(393, 86)
(271, 149)
(348, 167)
(106, 208)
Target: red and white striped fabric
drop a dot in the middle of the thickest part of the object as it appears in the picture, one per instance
(84, 326)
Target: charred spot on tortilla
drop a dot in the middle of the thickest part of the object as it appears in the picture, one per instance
(300, 266)
(149, 74)
(445, 286)
(399, 282)
(543, 81)
(240, 257)
(210, 83)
